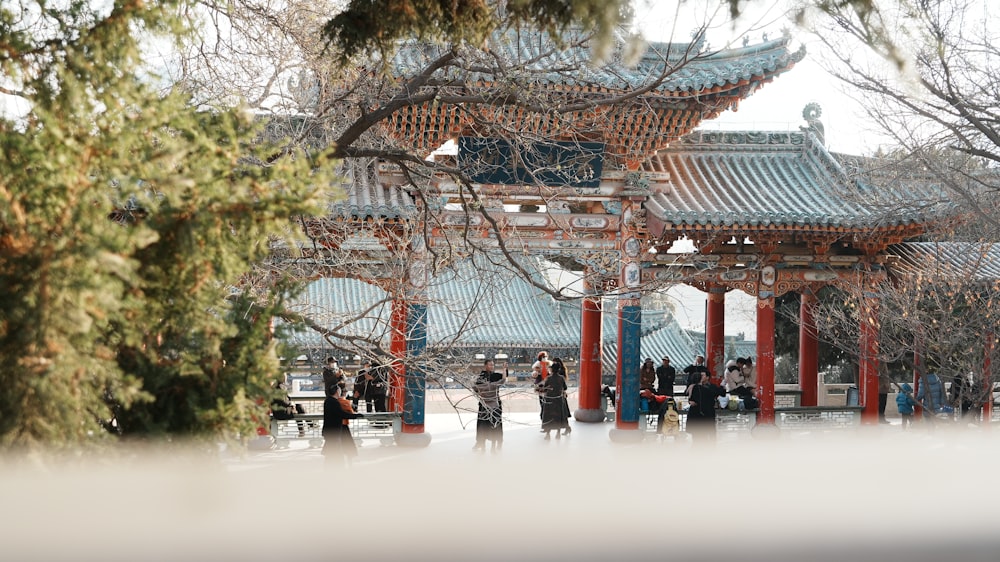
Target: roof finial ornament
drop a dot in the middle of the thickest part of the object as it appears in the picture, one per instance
(811, 113)
(746, 40)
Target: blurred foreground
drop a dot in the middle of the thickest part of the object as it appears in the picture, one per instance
(876, 494)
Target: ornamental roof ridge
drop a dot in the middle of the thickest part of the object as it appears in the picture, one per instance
(705, 139)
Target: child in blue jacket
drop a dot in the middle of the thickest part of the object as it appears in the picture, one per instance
(905, 404)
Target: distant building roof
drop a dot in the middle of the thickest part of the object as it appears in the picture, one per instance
(695, 69)
(660, 335)
(508, 313)
(367, 196)
(976, 262)
(756, 180)
(467, 307)
(673, 87)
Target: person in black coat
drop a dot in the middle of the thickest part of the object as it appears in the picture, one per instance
(333, 373)
(489, 420)
(555, 408)
(693, 373)
(378, 386)
(666, 376)
(361, 388)
(701, 414)
(338, 445)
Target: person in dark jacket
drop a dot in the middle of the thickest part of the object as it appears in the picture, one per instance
(932, 397)
(378, 387)
(905, 403)
(489, 420)
(338, 445)
(962, 394)
(693, 373)
(555, 413)
(701, 413)
(333, 373)
(666, 376)
(361, 388)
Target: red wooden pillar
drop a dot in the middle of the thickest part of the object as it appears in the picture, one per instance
(397, 346)
(988, 380)
(868, 358)
(715, 332)
(765, 357)
(808, 349)
(590, 361)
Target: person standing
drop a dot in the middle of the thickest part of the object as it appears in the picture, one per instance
(540, 370)
(361, 388)
(559, 367)
(332, 373)
(647, 374)
(701, 412)
(693, 373)
(543, 364)
(905, 404)
(931, 395)
(489, 420)
(338, 444)
(555, 413)
(378, 387)
(666, 376)
(961, 395)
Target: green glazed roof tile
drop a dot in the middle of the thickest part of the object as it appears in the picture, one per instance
(776, 179)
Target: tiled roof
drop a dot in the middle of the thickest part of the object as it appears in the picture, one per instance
(963, 260)
(742, 348)
(466, 307)
(703, 71)
(367, 197)
(775, 180)
(510, 313)
(660, 335)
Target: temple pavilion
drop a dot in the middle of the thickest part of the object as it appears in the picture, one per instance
(766, 212)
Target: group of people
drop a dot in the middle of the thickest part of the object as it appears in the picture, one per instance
(550, 382)
(370, 385)
(656, 387)
(959, 398)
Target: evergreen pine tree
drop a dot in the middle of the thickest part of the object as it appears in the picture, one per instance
(127, 219)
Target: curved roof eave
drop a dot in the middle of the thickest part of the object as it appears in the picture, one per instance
(764, 179)
(693, 71)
